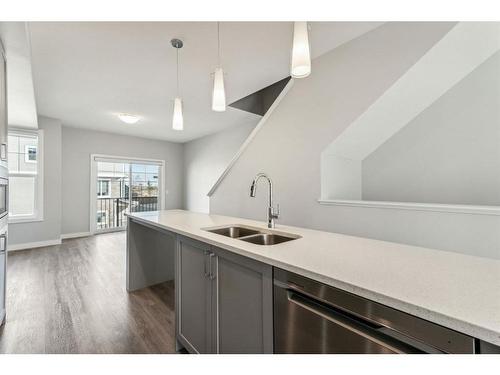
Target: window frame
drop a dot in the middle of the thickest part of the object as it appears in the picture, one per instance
(105, 216)
(99, 182)
(26, 154)
(38, 212)
(95, 158)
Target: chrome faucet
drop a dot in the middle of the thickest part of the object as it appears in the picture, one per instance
(271, 213)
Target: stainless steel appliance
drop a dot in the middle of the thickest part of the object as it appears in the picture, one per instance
(3, 109)
(311, 317)
(4, 181)
(3, 266)
(4, 192)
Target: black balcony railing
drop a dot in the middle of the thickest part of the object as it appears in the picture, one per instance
(140, 204)
(111, 211)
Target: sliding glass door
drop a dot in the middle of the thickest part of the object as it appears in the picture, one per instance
(145, 187)
(123, 186)
(112, 194)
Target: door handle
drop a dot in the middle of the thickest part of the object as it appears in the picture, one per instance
(212, 273)
(3, 152)
(3, 242)
(205, 261)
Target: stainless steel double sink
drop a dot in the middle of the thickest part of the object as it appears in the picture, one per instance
(253, 235)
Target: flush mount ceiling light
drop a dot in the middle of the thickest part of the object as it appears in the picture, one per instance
(218, 94)
(301, 56)
(177, 119)
(128, 118)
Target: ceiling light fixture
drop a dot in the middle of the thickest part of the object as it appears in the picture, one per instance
(218, 94)
(128, 118)
(301, 56)
(177, 119)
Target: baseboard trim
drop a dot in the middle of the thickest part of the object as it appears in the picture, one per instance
(32, 245)
(66, 236)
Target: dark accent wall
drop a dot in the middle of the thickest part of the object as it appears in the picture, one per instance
(260, 101)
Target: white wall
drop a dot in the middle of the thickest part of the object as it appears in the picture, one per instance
(79, 144)
(450, 153)
(67, 173)
(342, 85)
(340, 177)
(50, 228)
(205, 159)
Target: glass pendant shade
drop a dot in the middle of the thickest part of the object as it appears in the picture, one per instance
(301, 56)
(177, 120)
(219, 95)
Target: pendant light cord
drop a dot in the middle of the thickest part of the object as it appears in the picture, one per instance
(177, 72)
(218, 43)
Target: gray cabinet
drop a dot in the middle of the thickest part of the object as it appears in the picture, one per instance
(224, 300)
(194, 291)
(244, 304)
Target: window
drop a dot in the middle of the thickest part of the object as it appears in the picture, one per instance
(25, 176)
(30, 152)
(103, 188)
(145, 180)
(122, 185)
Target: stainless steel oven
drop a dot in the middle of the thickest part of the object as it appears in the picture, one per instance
(4, 192)
(311, 317)
(3, 266)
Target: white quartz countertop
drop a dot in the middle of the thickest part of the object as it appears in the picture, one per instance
(461, 292)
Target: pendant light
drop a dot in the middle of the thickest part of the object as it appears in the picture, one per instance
(218, 94)
(177, 119)
(301, 56)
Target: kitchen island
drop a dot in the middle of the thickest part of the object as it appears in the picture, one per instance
(456, 291)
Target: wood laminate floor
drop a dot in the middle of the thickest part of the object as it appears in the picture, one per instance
(71, 298)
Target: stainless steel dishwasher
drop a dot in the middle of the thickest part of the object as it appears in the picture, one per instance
(311, 317)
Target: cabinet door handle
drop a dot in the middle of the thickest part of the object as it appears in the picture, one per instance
(3, 243)
(212, 273)
(207, 273)
(3, 152)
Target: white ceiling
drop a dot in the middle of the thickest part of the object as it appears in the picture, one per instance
(85, 73)
(20, 94)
